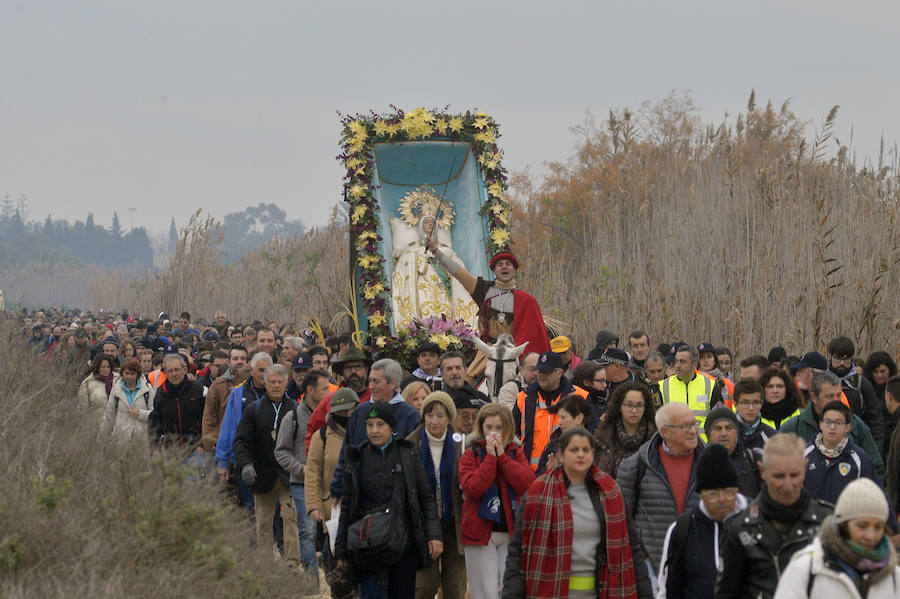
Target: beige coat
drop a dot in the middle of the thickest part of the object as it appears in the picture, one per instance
(321, 461)
(118, 422)
(93, 392)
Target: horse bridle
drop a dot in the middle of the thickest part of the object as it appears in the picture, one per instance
(498, 372)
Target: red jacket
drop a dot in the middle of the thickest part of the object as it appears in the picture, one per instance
(320, 414)
(475, 477)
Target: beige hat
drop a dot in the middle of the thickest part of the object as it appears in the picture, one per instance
(443, 398)
(862, 498)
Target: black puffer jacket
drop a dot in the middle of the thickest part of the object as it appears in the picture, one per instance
(368, 483)
(649, 504)
(754, 554)
(177, 414)
(254, 442)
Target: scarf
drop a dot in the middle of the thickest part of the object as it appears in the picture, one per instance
(782, 513)
(440, 475)
(829, 453)
(852, 558)
(748, 429)
(106, 380)
(340, 421)
(491, 507)
(421, 374)
(779, 411)
(629, 444)
(547, 539)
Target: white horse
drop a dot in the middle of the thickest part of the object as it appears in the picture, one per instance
(503, 363)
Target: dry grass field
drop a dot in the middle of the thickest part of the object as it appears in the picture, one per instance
(81, 516)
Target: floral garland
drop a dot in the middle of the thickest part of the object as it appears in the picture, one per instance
(358, 137)
(449, 335)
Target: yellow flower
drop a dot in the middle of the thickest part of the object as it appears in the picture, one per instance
(486, 136)
(440, 126)
(417, 123)
(481, 122)
(358, 130)
(410, 343)
(355, 163)
(381, 341)
(500, 237)
(371, 291)
(496, 190)
(368, 235)
(358, 191)
(358, 213)
(356, 145)
(368, 262)
(500, 212)
(376, 320)
(381, 128)
(456, 124)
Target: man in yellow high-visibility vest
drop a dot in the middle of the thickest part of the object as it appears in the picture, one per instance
(690, 387)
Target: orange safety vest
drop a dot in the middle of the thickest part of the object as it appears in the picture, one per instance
(544, 423)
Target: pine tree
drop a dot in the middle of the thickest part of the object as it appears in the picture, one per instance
(89, 223)
(173, 237)
(116, 228)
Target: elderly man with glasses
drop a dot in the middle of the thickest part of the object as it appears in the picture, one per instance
(659, 482)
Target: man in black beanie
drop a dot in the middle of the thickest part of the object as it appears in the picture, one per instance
(722, 428)
(691, 549)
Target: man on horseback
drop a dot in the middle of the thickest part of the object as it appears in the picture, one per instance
(502, 307)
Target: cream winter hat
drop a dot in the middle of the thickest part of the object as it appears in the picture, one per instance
(861, 499)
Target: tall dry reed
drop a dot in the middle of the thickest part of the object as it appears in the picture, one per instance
(744, 234)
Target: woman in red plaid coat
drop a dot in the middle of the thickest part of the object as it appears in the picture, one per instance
(571, 537)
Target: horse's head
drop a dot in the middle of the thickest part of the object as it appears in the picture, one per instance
(503, 359)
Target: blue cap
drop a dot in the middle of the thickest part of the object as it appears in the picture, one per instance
(302, 362)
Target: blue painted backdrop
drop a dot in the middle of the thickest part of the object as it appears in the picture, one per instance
(402, 167)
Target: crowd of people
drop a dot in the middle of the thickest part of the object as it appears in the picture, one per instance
(680, 471)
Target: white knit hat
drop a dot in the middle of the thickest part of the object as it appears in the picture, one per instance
(862, 498)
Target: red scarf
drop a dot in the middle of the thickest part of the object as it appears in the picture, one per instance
(547, 539)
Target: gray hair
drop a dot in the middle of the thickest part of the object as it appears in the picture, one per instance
(275, 370)
(662, 417)
(170, 357)
(260, 357)
(293, 343)
(222, 312)
(695, 353)
(391, 369)
(655, 355)
(820, 378)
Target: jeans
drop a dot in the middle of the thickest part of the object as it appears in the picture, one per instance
(307, 529)
(396, 582)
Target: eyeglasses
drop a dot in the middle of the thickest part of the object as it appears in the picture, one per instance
(845, 360)
(634, 407)
(684, 427)
(749, 404)
(729, 492)
(834, 423)
(600, 381)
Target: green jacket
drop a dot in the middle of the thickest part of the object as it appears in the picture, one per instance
(806, 426)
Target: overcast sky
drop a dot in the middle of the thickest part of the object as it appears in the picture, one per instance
(170, 106)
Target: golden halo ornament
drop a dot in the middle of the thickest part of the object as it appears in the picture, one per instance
(424, 202)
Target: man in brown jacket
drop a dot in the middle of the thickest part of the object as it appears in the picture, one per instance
(217, 396)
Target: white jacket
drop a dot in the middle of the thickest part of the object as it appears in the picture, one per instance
(92, 392)
(118, 421)
(828, 583)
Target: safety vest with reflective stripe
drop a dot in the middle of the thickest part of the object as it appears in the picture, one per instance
(695, 394)
(783, 420)
(544, 422)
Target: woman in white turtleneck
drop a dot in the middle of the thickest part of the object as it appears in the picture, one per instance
(440, 448)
